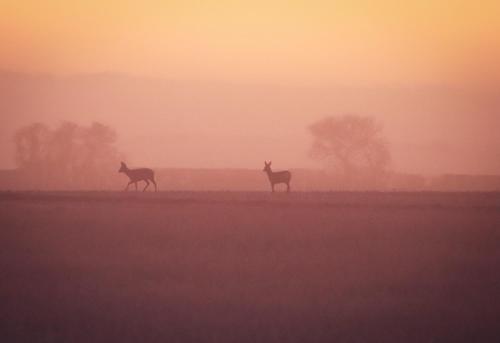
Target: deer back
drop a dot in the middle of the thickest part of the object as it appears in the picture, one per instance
(280, 176)
(140, 174)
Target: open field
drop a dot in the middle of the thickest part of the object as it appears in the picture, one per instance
(249, 267)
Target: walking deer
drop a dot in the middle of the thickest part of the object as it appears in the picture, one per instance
(277, 177)
(136, 175)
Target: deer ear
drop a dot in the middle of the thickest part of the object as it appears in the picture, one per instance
(270, 162)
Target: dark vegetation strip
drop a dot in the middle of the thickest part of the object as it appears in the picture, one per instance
(421, 200)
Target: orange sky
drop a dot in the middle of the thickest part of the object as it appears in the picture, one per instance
(343, 41)
(397, 48)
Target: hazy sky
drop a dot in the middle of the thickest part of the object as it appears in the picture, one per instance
(346, 41)
(429, 69)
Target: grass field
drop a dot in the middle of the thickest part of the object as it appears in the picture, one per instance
(249, 267)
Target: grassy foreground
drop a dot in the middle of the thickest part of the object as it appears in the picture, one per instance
(249, 267)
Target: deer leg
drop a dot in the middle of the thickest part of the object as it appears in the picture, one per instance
(147, 184)
(288, 187)
(135, 186)
(154, 183)
(128, 184)
(272, 187)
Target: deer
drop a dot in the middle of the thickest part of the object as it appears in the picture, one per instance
(277, 177)
(139, 174)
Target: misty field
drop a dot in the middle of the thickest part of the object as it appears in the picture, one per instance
(249, 267)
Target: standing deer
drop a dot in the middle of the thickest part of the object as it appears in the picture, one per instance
(277, 177)
(136, 175)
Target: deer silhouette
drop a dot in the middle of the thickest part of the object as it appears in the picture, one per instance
(277, 177)
(136, 175)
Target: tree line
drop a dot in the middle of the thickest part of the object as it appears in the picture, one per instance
(67, 156)
(353, 147)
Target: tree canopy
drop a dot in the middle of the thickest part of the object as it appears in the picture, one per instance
(69, 155)
(350, 142)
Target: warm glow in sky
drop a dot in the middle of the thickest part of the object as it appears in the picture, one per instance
(403, 42)
(430, 70)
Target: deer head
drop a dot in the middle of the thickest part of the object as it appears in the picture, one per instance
(123, 168)
(267, 167)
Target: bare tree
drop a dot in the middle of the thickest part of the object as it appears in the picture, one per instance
(353, 143)
(68, 156)
(31, 144)
(99, 155)
(63, 154)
